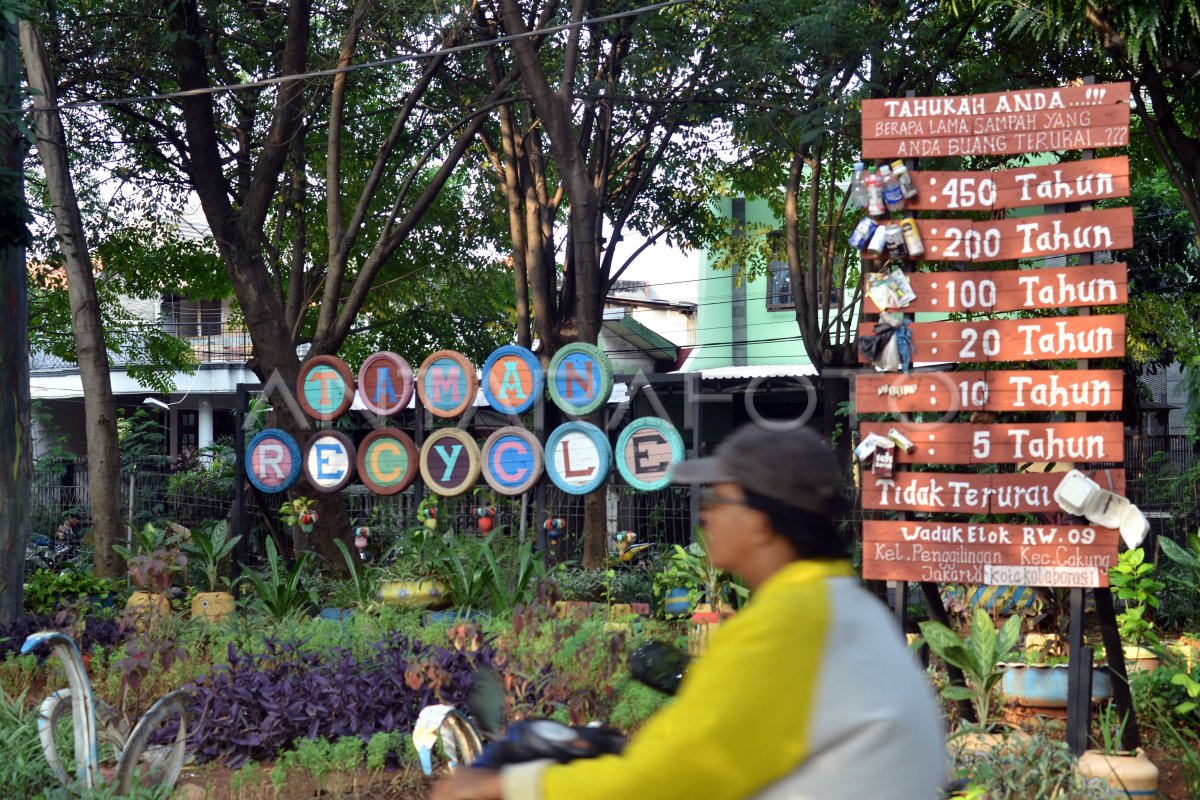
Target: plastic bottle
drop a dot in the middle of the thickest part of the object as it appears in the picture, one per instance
(874, 191)
(858, 194)
(893, 198)
(904, 180)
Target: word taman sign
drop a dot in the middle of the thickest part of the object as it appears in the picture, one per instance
(1000, 123)
(1019, 289)
(997, 390)
(1047, 339)
(1006, 443)
(960, 552)
(1073, 182)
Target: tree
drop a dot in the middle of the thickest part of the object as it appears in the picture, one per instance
(310, 186)
(99, 407)
(15, 442)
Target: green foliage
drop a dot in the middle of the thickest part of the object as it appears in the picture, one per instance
(47, 591)
(1189, 558)
(474, 576)
(208, 548)
(360, 585)
(979, 656)
(1020, 768)
(24, 771)
(281, 593)
(1132, 580)
(383, 747)
(690, 568)
(634, 705)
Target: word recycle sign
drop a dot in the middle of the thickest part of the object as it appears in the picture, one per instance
(577, 456)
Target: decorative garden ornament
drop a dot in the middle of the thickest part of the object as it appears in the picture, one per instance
(360, 540)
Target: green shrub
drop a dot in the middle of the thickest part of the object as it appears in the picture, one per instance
(47, 591)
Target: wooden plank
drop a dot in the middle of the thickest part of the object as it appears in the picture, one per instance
(1014, 101)
(1071, 182)
(998, 144)
(961, 552)
(1006, 443)
(1025, 121)
(1003, 534)
(1019, 289)
(971, 493)
(1027, 237)
(995, 390)
(1045, 339)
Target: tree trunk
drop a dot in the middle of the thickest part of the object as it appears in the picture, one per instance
(99, 407)
(16, 463)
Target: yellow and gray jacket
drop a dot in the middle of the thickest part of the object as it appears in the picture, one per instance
(807, 694)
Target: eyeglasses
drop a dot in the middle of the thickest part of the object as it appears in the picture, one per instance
(709, 497)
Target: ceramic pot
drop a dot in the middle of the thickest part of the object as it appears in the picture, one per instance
(676, 602)
(1045, 686)
(1127, 776)
(425, 592)
(212, 606)
(147, 607)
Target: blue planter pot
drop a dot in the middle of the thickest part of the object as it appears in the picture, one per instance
(452, 615)
(1046, 686)
(335, 614)
(676, 603)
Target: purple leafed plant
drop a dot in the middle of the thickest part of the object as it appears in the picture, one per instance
(96, 631)
(259, 704)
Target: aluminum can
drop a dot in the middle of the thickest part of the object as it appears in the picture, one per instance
(894, 241)
(912, 237)
(878, 241)
(863, 231)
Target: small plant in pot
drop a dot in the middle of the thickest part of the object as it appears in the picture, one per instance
(152, 574)
(410, 575)
(980, 656)
(208, 549)
(1133, 582)
(1108, 769)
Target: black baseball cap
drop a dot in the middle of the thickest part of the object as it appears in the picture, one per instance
(795, 467)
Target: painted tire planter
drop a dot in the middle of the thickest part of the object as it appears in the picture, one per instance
(272, 461)
(513, 379)
(512, 461)
(447, 383)
(676, 602)
(387, 461)
(426, 592)
(1128, 776)
(1043, 686)
(646, 452)
(449, 462)
(212, 606)
(325, 387)
(385, 383)
(335, 614)
(580, 379)
(578, 457)
(147, 607)
(329, 461)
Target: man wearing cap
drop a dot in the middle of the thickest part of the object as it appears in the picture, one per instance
(808, 693)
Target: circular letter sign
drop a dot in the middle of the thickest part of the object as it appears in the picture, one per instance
(646, 451)
(449, 462)
(387, 461)
(447, 383)
(578, 457)
(329, 461)
(512, 379)
(385, 383)
(512, 460)
(581, 378)
(325, 388)
(272, 461)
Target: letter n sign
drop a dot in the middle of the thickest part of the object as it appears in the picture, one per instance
(581, 378)
(272, 461)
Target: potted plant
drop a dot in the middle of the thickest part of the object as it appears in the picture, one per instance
(282, 592)
(208, 548)
(1133, 581)
(980, 656)
(411, 575)
(1111, 771)
(152, 564)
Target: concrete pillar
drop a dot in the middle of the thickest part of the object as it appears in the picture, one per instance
(204, 434)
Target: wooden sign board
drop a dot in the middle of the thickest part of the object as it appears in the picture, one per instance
(1027, 237)
(1000, 123)
(1019, 289)
(996, 390)
(1049, 338)
(968, 493)
(1070, 182)
(960, 552)
(1006, 443)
